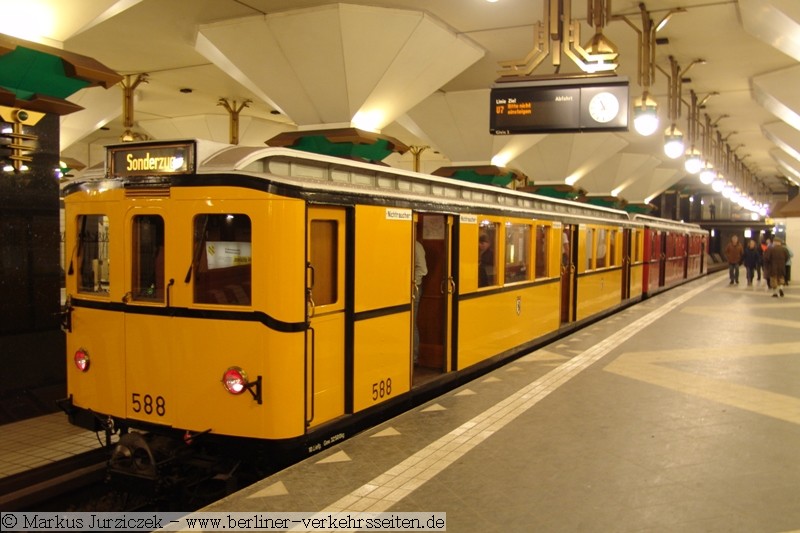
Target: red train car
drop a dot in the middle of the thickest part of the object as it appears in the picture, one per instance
(673, 253)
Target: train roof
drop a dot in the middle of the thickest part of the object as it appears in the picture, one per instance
(328, 177)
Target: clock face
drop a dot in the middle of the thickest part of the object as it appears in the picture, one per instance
(604, 107)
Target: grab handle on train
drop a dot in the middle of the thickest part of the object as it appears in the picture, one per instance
(451, 285)
(310, 303)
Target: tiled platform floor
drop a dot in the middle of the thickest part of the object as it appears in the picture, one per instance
(38, 441)
(679, 414)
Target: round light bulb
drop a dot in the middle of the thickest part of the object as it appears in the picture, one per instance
(645, 124)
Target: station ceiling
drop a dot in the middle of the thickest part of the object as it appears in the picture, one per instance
(422, 70)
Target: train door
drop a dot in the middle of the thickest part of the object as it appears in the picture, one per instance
(569, 252)
(147, 286)
(626, 263)
(434, 318)
(325, 300)
(663, 239)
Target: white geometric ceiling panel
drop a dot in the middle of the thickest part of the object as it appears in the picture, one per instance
(458, 124)
(619, 172)
(778, 93)
(789, 165)
(776, 22)
(784, 136)
(325, 65)
(99, 108)
(253, 131)
(566, 158)
(650, 185)
(32, 19)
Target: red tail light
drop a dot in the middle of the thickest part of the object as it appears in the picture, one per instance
(234, 380)
(82, 360)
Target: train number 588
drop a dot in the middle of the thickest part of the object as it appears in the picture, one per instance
(382, 388)
(148, 404)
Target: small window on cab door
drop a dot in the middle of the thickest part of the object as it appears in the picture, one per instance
(148, 258)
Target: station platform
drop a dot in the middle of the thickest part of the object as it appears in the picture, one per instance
(681, 413)
(40, 441)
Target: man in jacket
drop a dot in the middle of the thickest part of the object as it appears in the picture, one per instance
(733, 253)
(776, 256)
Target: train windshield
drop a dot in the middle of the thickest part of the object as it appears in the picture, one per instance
(222, 262)
(93, 254)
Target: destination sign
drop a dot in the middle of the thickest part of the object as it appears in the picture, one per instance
(558, 107)
(151, 159)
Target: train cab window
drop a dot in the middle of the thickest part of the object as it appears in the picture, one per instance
(602, 248)
(487, 254)
(542, 246)
(517, 252)
(222, 262)
(92, 254)
(589, 248)
(148, 258)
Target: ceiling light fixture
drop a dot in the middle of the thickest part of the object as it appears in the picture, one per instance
(673, 142)
(665, 20)
(645, 109)
(693, 163)
(645, 115)
(673, 137)
(707, 174)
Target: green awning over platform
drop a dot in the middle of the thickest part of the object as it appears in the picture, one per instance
(40, 78)
(350, 143)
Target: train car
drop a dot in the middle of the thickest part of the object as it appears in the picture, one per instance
(267, 296)
(674, 253)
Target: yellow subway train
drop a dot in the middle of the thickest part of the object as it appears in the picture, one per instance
(276, 297)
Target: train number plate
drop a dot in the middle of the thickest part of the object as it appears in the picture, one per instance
(148, 404)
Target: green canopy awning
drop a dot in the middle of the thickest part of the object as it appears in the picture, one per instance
(483, 174)
(40, 78)
(349, 143)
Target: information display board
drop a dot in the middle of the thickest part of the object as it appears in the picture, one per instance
(559, 106)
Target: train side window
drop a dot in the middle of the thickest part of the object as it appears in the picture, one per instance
(148, 258)
(612, 248)
(222, 259)
(487, 254)
(92, 254)
(324, 258)
(542, 246)
(602, 248)
(518, 246)
(589, 248)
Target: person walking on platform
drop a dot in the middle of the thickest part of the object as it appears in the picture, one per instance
(788, 264)
(776, 257)
(752, 261)
(765, 245)
(734, 253)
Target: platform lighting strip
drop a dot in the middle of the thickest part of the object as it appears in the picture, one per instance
(384, 491)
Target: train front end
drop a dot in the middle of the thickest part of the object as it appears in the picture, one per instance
(185, 312)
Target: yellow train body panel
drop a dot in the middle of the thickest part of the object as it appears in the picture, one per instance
(495, 323)
(328, 369)
(383, 257)
(100, 333)
(600, 291)
(637, 277)
(382, 363)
